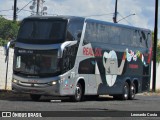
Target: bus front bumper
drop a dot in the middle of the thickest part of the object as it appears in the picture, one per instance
(52, 90)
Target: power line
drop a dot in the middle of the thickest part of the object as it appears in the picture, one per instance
(98, 15)
(24, 7)
(125, 20)
(28, 10)
(5, 10)
(4, 15)
(126, 17)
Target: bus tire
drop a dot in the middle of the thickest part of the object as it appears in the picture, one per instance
(132, 91)
(78, 93)
(35, 97)
(125, 94)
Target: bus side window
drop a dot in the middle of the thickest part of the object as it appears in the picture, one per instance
(149, 40)
(74, 29)
(102, 35)
(142, 38)
(134, 40)
(114, 35)
(124, 37)
(69, 36)
(86, 38)
(87, 35)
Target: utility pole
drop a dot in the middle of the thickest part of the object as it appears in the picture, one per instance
(38, 4)
(115, 13)
(155, 47)
(15, 11)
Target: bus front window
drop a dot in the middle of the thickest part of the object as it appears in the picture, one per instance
(33, 62)
(42, 31)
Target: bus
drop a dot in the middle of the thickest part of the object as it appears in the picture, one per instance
(77, 57)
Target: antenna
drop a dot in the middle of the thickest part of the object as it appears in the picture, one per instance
(38, 5)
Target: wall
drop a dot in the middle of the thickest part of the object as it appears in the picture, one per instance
(3, 65)
(157, 76)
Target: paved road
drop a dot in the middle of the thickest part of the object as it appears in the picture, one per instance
(24, 103)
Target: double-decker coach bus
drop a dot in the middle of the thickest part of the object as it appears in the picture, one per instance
(75, 57)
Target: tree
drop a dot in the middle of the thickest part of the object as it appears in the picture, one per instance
(158, 53)
(8, 30)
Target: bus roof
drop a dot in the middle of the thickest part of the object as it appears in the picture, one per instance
(87, 20)
(57, 17)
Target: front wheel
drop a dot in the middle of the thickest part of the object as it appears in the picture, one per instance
(132, 91)
(78, 93)
(35, 97)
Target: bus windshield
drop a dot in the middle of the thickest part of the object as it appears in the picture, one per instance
(42, 31)
(36, 62)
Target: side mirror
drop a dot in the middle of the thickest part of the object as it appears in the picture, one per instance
(6, 48)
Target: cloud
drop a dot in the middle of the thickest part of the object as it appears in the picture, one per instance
(144, 10)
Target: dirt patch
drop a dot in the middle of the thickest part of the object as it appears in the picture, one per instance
(10, 95)
(151, 93)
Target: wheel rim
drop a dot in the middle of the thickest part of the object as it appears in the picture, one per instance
(132, 91)
(78, 92)
(126, 92)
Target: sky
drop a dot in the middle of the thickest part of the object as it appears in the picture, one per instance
(144, 10)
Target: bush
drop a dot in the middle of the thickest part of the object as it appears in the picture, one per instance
(3, 42)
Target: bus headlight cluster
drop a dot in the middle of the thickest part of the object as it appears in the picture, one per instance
(53, 83)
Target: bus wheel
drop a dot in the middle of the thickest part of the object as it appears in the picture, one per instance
(35, 97)
(125, 93)
(78, 93)
(132, 91)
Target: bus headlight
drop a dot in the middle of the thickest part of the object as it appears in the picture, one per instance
(53, 83)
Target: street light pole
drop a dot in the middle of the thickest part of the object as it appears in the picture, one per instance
(155, 47)
(38, 2)
(115, 13)
(15, 11)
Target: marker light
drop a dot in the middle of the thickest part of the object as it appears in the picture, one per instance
(15, 81)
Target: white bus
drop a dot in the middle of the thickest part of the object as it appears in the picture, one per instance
(75, 57)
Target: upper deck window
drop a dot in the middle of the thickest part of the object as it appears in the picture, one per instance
(42, 31)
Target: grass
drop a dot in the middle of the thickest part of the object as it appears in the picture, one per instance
(150, 93)
(158, 91)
